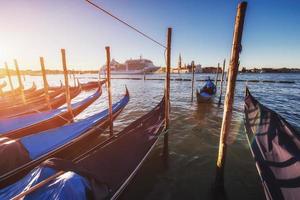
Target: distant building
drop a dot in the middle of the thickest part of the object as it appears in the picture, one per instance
(198, 68)
(132, 66)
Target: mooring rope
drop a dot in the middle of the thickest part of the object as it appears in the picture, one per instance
(125, 23)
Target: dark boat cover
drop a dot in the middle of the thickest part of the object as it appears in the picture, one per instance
(101, 173)
(275, 145)
(12, 152)
(38, 144)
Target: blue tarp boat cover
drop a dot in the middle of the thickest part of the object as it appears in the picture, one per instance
(20, 122)
(275, 145)
(105, 169)
(67, 186)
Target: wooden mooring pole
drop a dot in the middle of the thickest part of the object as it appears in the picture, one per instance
(217, 76)
(9, 77)
(68, 97)
(20, 80)
(222, 79)
(107, 49)
(167, 94)
(74, 79)
(229, 97)
(46, 86)
(193, 79)
(99, 76)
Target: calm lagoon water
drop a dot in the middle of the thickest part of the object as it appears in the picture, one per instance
(194, 134)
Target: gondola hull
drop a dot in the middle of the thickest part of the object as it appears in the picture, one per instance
(37, 108)
(275, 145)
(107, 167)
(91, 85)
(81, 142)
(34, 123)
(207, 93)
(204, 97)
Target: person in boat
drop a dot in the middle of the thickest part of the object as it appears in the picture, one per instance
(208, 87)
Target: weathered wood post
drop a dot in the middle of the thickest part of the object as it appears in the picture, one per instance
(74, 79)
(1, 90)
(109, 90)
(70, 74)
(217, 76)
(20, 80)
(9, 77)
(68, 98)
(46, 86)
(193, 79)
(222, 79)
(229, 97)
(99, 76)
(167, 94)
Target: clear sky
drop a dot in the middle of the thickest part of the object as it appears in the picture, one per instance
(202, 31)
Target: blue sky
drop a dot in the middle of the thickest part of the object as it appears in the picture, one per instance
(202, 31)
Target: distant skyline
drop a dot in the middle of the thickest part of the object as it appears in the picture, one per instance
(202, 31)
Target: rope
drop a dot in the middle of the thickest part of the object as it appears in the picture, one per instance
(125, 23)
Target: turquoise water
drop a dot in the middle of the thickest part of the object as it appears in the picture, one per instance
(194, 134)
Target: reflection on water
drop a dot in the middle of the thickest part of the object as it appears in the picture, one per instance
(194, 134)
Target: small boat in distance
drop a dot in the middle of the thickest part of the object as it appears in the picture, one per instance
(275, 146)
(207, 92)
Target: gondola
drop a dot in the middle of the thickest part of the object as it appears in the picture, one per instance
(54, 87)
(207, 92)
(90, 85)
(104, 171)
(24, 125)
(64, 142)
(38, 99)
(275, 146)
(16, 92)
(28, 95)
(36, 108)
